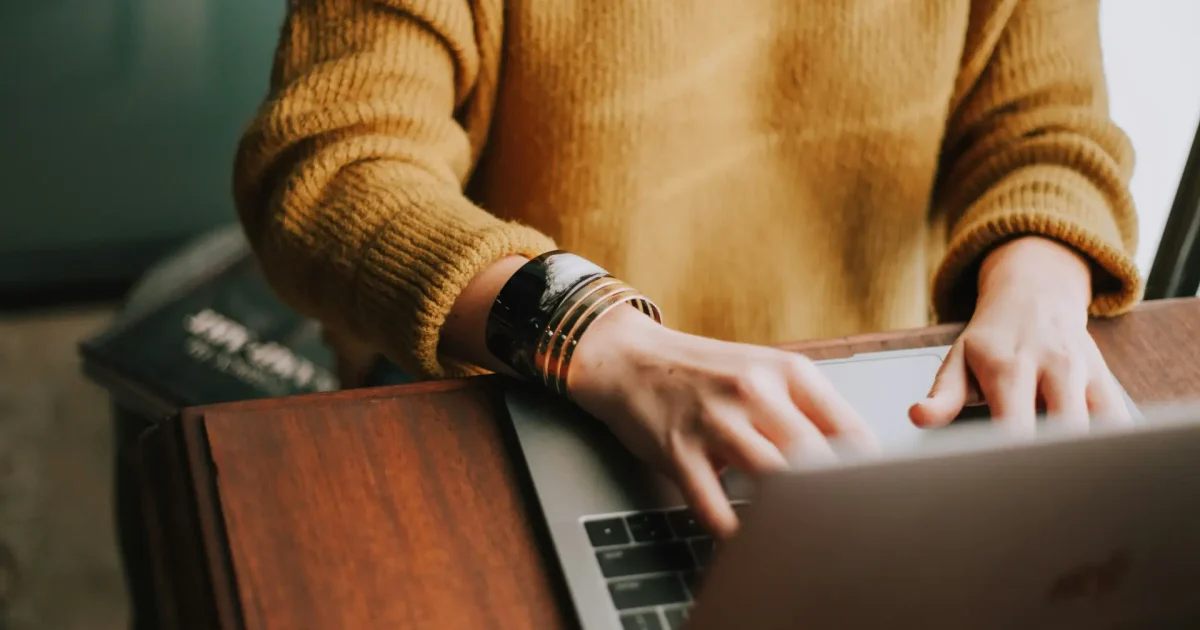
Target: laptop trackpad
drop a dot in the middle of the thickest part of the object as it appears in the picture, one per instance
(883, 388)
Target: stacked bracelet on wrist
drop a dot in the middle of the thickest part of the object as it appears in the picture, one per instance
(543, 311)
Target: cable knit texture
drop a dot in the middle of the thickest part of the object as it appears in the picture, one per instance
(766, 170)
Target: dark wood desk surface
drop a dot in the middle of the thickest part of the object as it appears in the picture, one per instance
(400, 507)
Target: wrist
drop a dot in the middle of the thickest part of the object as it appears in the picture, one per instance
(545, 309)
(1036, 265)
(464, 332)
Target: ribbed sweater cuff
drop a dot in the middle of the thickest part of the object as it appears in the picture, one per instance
(411, 276)
(1050, 201)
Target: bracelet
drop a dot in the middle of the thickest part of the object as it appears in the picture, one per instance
(526, 302)
(595, 298)
(544, 309)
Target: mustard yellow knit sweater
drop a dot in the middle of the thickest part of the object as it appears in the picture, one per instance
(766, 170)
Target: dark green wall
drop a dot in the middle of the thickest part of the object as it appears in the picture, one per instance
(119, 122)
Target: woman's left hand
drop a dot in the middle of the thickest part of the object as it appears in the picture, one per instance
(1026, 344)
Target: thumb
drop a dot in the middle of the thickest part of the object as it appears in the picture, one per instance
(949, 393)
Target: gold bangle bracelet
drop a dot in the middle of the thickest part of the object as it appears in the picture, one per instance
(553, 330)
(574, 314)
(570, 339)
(586, 320)
(548, 361)
(581, 319)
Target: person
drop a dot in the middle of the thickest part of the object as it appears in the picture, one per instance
(480, 186)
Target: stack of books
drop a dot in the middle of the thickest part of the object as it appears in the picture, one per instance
(205, 327)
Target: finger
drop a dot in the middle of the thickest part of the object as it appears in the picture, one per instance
(740, 443)
(1065, 392)
(1106, 400)
(702, 489)
(782, 423)
(974, 396)
(805, 444)
(1010, 389)
(950, 392)
(826, 409)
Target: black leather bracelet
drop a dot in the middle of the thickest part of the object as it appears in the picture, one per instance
(528, 301)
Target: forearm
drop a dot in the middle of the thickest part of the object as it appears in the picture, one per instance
(349, 180)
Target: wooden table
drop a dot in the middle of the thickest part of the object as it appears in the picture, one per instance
(400, 507)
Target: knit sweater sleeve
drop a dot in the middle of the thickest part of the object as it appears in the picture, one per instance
(349, 180)
(1030, 149)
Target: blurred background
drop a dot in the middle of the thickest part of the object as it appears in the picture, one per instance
(119, 120)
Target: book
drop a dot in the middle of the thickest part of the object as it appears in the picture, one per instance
(206, 328)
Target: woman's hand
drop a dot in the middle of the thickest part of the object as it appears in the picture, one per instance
(1027, 343)
(690, 405)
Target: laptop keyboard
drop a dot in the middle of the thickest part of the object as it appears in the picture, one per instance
(652, 563)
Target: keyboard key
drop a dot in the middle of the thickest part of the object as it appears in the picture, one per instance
(657, 558)
(649, 527)
(676, 617)
(685, 524)
(693, 581)
(704, 548)
(650, 591)
(641, 621)
(606, 532)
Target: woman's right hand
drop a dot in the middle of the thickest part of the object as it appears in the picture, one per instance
(691, 405)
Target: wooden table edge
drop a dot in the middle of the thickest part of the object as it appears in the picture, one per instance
(212, 523)
(193, 577)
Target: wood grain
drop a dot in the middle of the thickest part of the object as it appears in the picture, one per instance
(404, 523)
(399, 507)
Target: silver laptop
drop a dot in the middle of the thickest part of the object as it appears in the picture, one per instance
(910, 532)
